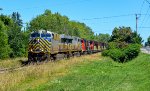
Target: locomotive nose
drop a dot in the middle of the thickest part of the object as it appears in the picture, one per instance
(36, 40)
(36, 46)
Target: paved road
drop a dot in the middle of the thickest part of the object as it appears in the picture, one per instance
(145, 50)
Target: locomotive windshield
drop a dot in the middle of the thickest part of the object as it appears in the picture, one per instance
(47, 35)
(35, 35)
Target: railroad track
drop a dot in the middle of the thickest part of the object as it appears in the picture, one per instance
(4, 70)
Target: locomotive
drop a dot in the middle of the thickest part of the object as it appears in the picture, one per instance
(46, 45)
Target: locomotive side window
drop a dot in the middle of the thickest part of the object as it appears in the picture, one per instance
(35, 35)
(63, 40)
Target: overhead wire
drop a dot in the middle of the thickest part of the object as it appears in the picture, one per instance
(147, 2)
(142, 6)
(145, 19)
(109, 17)
(145, 16)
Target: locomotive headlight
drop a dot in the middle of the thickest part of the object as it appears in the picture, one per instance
(38, 40)
(31, 50)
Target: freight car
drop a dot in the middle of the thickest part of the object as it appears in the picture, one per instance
(46, 45)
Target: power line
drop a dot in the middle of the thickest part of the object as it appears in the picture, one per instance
(143, 27)
(147, 2)
(142, 6)
(145, 16)
(109, 17)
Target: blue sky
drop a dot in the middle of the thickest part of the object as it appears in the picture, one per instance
(91, 12)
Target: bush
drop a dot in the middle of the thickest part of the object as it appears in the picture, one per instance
(112, 45)
(105, 53)
(124, 54)
(117, 55)
(132, 51)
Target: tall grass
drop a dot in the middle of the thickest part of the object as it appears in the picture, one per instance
(10, 63)
(32, 76)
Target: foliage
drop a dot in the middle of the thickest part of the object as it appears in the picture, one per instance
(16, 42)
(122, 34)
(102, 38)
(124, 45)
(112, 45)
(131, 51)
(13, 37)
(135, 38)
(16, 18)
(105, 53)
(7, 21)
(60, 24)
(125, 34)
(122, 54)
(4, 46)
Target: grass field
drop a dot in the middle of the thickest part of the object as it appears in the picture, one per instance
(86, 73)
(10, 63)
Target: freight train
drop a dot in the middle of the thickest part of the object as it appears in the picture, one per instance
(46, 45)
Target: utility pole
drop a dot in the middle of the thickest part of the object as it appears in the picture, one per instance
(137, 17)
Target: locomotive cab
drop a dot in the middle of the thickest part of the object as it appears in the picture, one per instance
(39, 44)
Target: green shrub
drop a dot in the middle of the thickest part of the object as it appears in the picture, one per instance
(117, 55)
(112, 45)
(105, 53)
(122, 44)
(132, 51)
(123, 54)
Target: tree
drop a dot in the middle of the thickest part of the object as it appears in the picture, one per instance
(7, 21)
(4, 46)
(16, 41)
(60, 24)
(15, 36)
(16, 18)
(103, 38)
(121, 34)
(125, 34)
(136, 38)
(124, 45)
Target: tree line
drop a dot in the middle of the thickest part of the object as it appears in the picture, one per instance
(14, 39)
